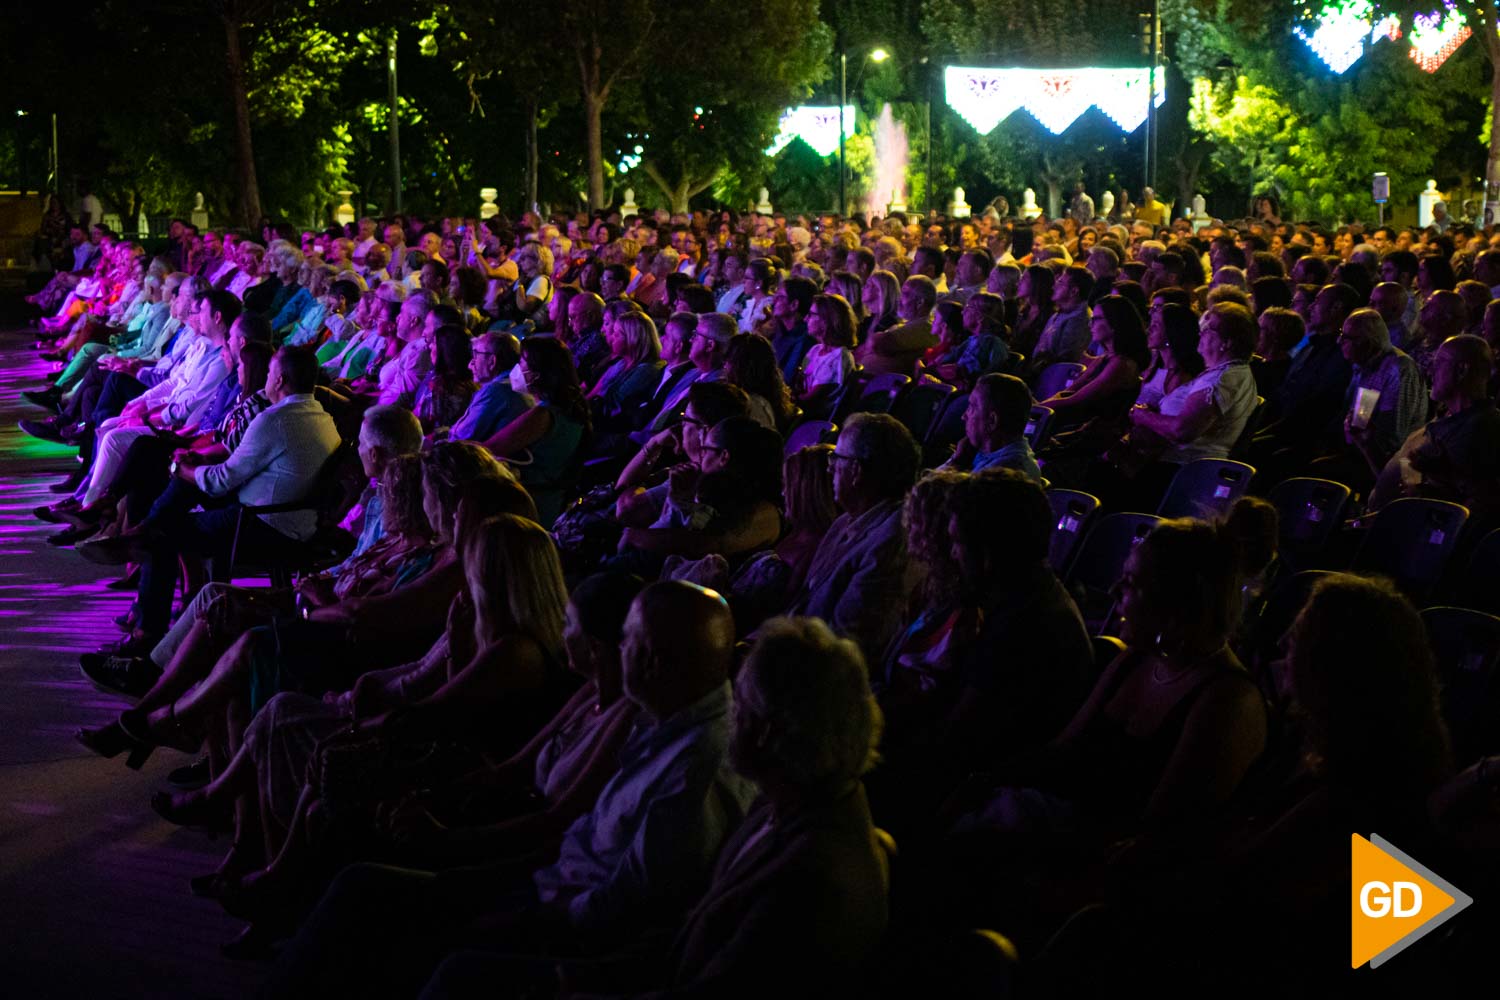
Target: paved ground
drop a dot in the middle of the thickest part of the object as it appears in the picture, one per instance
(93, 886)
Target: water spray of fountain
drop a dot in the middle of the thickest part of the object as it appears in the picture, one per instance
(888, 181)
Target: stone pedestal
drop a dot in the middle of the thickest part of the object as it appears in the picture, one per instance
(958, 208)
(344, 214)
(1029, 208)
(487, 207)
(628, 206)
(763, 206)
(1425, 201)
(199, 215)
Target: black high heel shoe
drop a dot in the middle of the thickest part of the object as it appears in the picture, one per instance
(112, 740)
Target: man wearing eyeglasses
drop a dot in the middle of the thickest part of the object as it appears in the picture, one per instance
(861, 574)
(496, 403)
(706, 351)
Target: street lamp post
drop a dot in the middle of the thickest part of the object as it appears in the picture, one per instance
(876, 54)
(843, 99)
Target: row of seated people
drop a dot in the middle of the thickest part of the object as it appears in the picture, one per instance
(411, 705)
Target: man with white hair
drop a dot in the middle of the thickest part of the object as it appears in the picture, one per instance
(1373, 435)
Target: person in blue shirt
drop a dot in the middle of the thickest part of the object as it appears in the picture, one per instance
(995, 428)
(496, 403)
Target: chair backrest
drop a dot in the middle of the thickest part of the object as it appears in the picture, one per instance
(1056, 377)
(810, 433)
(1411, 541)
(1100, 561)
(887, 384)
(1073, 514)
(1014, 364)
(1309, 512)
(847, 395)
(1206, 488)
(1263, 643)
(1241, 446)
(946, 430)
(920, 406)
(1466, 645)
(1038, 426)
(1106, 649)
(1482, 590)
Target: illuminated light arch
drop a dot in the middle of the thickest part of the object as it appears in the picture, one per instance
(1344, 27)
(815, 124)
(1054, 97)
(1434, 38)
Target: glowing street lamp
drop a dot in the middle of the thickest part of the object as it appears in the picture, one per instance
(877, 54)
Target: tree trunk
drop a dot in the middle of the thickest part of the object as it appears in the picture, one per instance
(1492, 163)
(593, 112)
(248, 193)
(532, 164)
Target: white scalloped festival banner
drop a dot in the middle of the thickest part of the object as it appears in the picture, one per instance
(815, 124)
(1056, 98)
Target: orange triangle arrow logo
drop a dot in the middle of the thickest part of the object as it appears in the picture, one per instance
(1395, 901)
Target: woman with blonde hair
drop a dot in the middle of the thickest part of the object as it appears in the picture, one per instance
(490, 682)
(881, 295)
(632, 377)
(848, 285)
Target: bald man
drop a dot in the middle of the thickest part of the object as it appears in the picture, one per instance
(636, 863)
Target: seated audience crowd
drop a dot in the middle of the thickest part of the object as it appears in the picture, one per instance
(639, 588)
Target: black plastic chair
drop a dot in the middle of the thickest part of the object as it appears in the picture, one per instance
(946, 431)
(807, 434)
(1206, 488)
(1262, 644)
(1241, 446)
(1482, 589)
(1056, 377)
(1038, 426)
(328, 545)
(1411, 541)
(1310, 512)
(920, 405)
(869, 394)
(1073, 512)
(1100, 561)
(1466, 644)
(1106, 649)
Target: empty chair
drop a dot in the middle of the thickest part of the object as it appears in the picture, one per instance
(946, 430)
(1038, 426)
(1100, 561)
(1310, 511)
(810, 433)
(920, 406)
(1056, 377)
(1411, 541)
(1466, 645)
(1074, 513)
(1206, 488)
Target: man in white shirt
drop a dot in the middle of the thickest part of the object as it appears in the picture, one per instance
(171, 405)
(400, 377)
(365, 241)
(278, 461)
